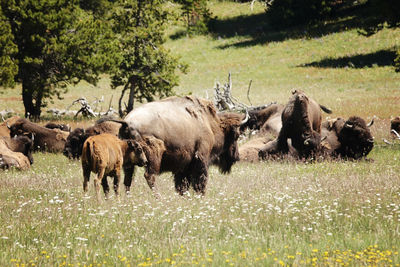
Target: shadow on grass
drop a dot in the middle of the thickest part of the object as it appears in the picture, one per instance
(259, 31)
(379, 58)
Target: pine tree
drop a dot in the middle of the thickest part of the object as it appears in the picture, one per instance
(47, 44)
(146, 69)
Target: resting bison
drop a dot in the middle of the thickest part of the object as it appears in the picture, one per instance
(395, 127)
(106, 155)
(9, 158)
(51, 140)
(74, 143)
(267, 120)
(249, 150)
(22, 144)
(350, 138)
(62, 127)
(5, 126)
(194, 135)
(301, 122)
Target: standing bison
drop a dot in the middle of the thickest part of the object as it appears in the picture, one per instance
(193, 136)
(106, 155)
(74, 144)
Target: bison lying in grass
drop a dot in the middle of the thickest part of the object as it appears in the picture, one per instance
(50, 140)
(106, 155)
(349, 139)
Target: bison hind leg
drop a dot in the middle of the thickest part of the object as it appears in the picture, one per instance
(106, 187)
(181, 183)
(86, 178)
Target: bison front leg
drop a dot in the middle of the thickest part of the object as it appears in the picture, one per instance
(117, 178)
(282, 141)
(181, 183)
(199, 176)
(151, 181)
(128, 178)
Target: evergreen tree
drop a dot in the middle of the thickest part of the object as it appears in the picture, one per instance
(196, 15)
(146, 69)
(47, 44)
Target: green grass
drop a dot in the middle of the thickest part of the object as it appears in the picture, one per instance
(270, 213)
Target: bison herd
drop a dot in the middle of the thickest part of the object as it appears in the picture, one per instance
(185, 135)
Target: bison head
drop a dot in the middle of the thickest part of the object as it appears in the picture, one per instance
(74, 144)
(355, 138)
(230, 124)
(395, 127)
(311, 144)
(26, 146)
(136, 154)
(17, 128)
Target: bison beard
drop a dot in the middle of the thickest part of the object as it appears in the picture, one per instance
(193, 135)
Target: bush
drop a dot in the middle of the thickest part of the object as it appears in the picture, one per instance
(397, 61)
(196, 15)
(283, 13)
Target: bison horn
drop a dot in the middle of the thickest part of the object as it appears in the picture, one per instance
(245, 118)
(348, 125)
(371, 123)
(33, 137)
(396, 133)
(371, 140)
(323, 138)
(8, 126)
(307, 141)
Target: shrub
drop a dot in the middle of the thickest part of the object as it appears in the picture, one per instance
(283, 13)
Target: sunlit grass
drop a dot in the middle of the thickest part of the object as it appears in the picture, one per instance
(272, 213)
(330, 213)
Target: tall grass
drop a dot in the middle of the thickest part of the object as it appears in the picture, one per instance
(271, 213)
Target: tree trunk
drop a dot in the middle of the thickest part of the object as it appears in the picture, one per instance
(27, 99)
(131, 99)
(32, 99)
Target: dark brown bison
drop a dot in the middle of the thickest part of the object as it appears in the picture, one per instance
(350, 138)
(22, 144)
(106, 155)
(62, 127)
(395, 127)
(301, 123)
(50, 140)
(9, 158)
(267, 120)
(74, 144)
(194, 136)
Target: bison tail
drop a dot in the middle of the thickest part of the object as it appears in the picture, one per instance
(325, 109)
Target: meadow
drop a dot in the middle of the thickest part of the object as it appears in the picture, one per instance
(286, 213)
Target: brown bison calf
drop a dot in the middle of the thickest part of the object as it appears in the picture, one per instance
(105, 155)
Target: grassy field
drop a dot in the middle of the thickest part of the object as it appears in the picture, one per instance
(272, 213)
